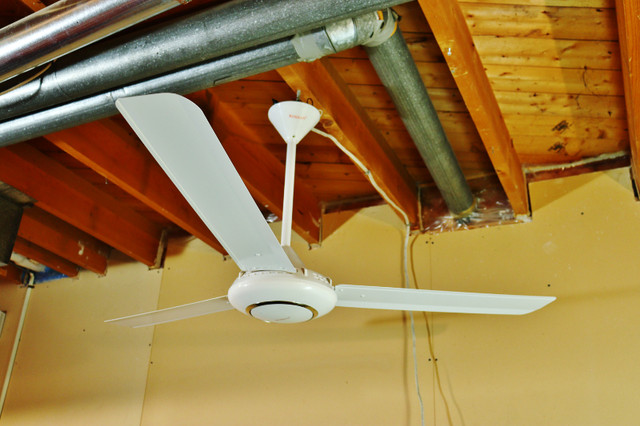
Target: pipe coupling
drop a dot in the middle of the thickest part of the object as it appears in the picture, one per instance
(370, 29)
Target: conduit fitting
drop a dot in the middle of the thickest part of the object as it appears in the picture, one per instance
(224, 29)
(367, 29)
(389, 19)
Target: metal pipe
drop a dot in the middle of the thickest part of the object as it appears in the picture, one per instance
(227, 28)
(66, 26)
(208, 74)
(399, 74)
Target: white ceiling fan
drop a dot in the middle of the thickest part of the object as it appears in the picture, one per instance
(274, 285)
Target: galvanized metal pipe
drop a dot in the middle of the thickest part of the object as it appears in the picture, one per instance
(208, 74)
(66, 26)
(227, 28)
(400, 76)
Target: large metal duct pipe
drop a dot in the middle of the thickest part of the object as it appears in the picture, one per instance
(400, 76)
(66, 26)
(165, 47)
(304, 47)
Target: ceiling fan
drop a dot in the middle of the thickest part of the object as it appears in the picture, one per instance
(274, 285)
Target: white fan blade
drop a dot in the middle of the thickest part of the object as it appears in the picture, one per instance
(190, 310)
(404, 299)
(178, 135)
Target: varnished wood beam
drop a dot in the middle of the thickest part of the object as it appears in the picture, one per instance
(34, 5)
(116, 154)
(452, 34)
(64, 194)
(263, 173)
(10, 274)
(56, 236)
(45, 257)
(587, 165)
(628, 15)
(345, 119)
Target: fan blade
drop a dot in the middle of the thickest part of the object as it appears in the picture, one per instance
(358, 296)
(195, 309)
(180, 138)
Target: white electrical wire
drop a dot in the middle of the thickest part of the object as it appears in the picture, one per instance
(16, 342)
(367, 173)
(405, 263)
(405, 252)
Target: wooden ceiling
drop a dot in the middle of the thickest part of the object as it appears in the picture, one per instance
(525, 90)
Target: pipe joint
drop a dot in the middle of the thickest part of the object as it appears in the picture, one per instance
(388, 20)
(369, 29)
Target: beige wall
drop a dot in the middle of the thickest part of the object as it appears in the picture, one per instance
(11, 302)
(572, 363)
(72, 369)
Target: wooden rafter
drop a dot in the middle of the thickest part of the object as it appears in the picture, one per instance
(10, 274)
(34, 5)
(452, 34)
(45, 257)
(56, 236)
(628, 15)
(116, 154)
(346, 120)
(263, 173)
(64, 194)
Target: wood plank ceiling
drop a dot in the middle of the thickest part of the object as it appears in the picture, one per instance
(525, 90)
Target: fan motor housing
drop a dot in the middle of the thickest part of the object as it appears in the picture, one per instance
(283, 297)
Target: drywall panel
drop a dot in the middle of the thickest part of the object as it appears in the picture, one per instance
(572, 363)
(72, 369)
(11, 301)
(345, 368)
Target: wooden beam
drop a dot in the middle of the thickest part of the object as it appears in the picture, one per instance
(45, 257)
(345, 119)
(56, 236)
(64, 194)
(117, 154)
(10, 274)
(587, 165)
(452, 34)
(34, 5)
(263, 173)
(628, 15)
